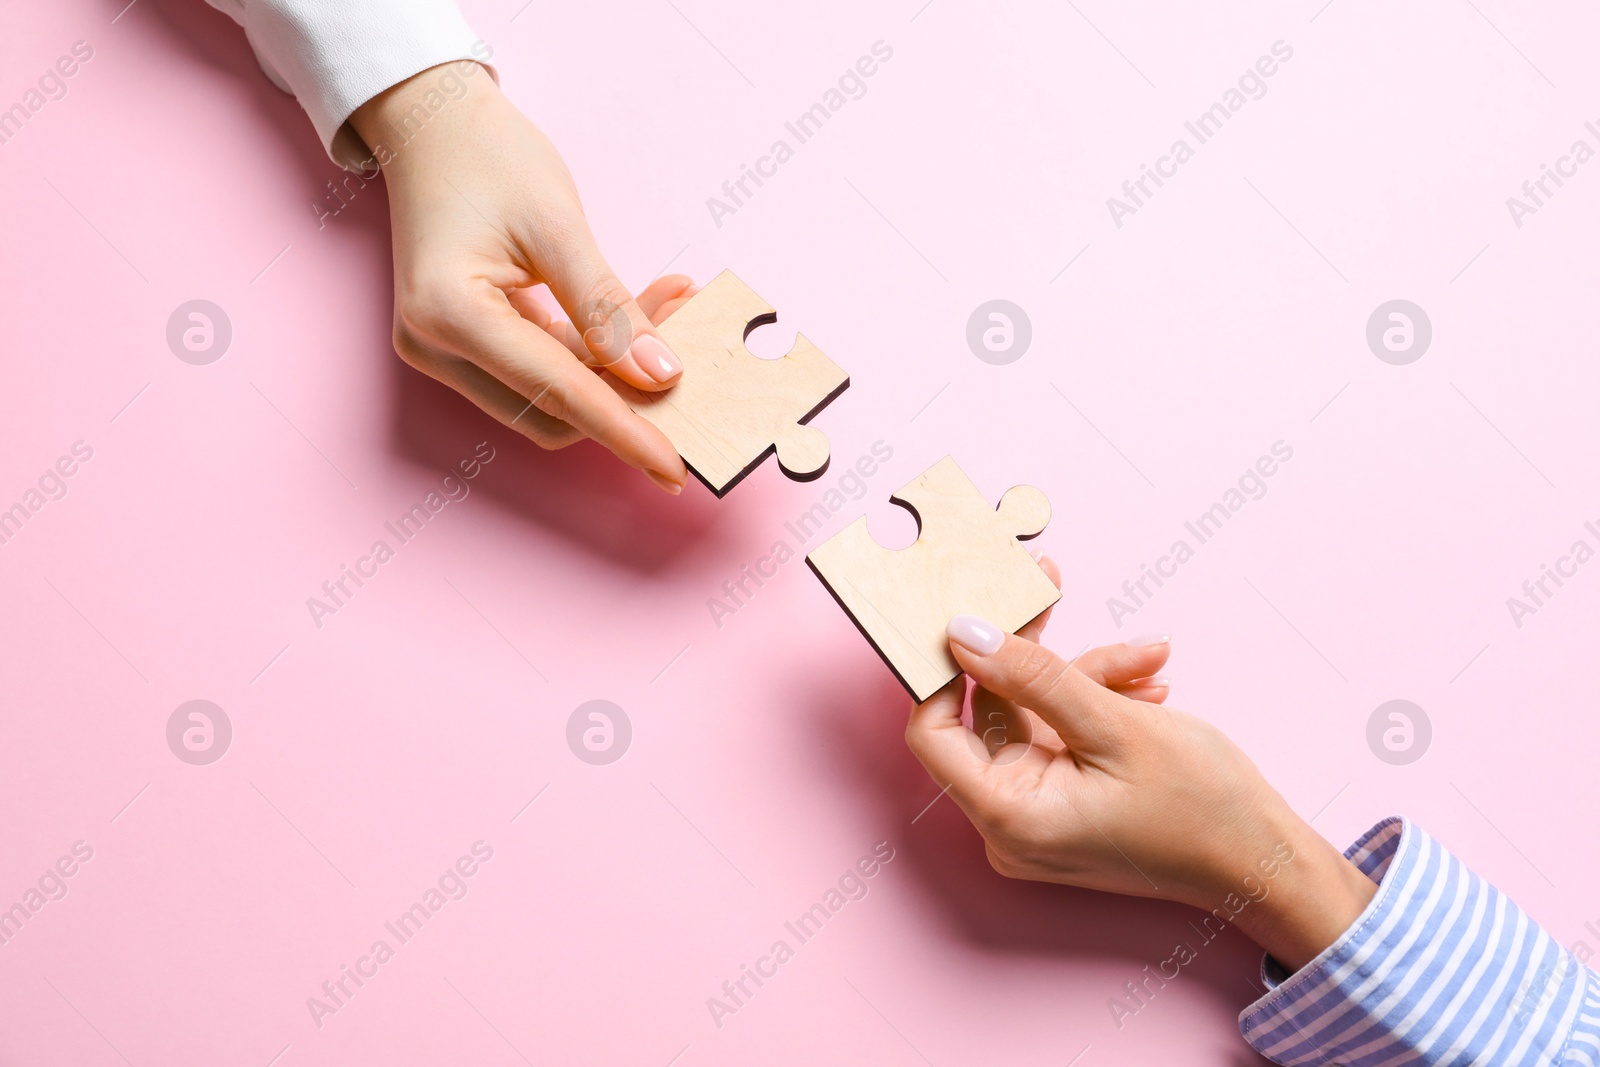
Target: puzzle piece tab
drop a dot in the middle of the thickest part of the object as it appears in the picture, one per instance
(966, 559)
(731, 408)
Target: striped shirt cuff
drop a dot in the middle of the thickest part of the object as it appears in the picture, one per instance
(1440, 968)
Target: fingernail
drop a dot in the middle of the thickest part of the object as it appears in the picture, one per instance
(665, 483)
(1148, 639)
(975, 634)
(1155, 681)
(654, 358)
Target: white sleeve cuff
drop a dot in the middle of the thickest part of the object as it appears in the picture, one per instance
(335, 55)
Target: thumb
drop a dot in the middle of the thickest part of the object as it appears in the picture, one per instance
(615, 330)
(1083, 714)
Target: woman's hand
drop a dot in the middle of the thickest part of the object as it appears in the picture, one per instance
(1075, 773)
(483, 209)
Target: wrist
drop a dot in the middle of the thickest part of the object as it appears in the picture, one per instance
(1302, 895)
(394, 124)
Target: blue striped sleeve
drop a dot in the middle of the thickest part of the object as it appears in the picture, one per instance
(1441, 968)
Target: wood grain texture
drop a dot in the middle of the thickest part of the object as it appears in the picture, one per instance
(967, 559)
(731, 409)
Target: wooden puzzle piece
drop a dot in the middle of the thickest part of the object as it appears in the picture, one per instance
(731, 409)
(966, 559)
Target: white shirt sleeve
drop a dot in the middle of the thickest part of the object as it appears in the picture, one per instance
(335, 55)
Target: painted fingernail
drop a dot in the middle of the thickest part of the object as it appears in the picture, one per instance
(1155, 681)
(1148, 639)
(975, 634)
(654, 358)
(665, 483)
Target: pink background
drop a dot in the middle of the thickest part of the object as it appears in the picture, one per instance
(370, 753)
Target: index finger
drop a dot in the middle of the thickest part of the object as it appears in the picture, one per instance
(539, 367)
(1034, 677)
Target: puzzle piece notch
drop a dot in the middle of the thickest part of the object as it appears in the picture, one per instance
(731, 409)
(966, 559)
(1023, 512)
(803, 452)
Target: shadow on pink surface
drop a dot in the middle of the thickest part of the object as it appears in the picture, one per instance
(582, 493)
(203, 35)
